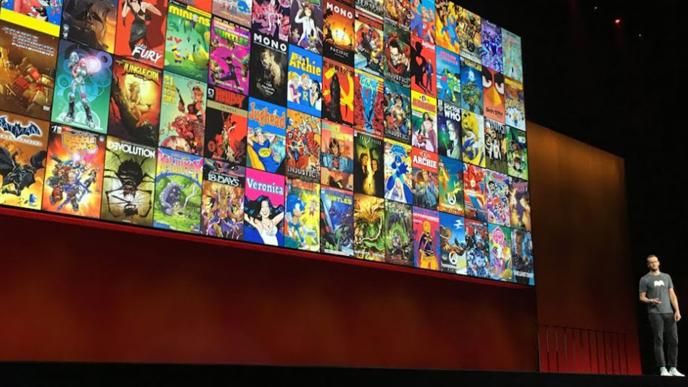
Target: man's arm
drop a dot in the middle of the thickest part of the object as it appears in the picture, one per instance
(645, 300)
(674, 303)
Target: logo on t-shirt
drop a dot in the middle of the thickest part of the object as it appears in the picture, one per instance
(659, 283)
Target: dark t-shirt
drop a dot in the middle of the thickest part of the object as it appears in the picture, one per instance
(657, 286)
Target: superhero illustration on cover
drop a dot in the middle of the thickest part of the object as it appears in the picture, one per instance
(517, 155)
(493, 95)
(491, 53)
(399, 12)
(268, 69)
(500, 253)
(519, 204)
(423, 70)
(178, 191)
(222, 208)
(450, 178)
(496, 146)
(302, 226)
(237, 11)
(338, 93)
(398, 233)
(472, 141)
(271, 18)
(39, 15)
(397, 113)
(337, 156)
(449, 127)
(90, 22)
(303, 146)
(522, 257)
(266, 136)
(397, 55)
(338, 32)
(128, 183)
(422, 23)
(306, 25)
(498, 198)
(398, 172)
(425, 179)
(74, 172)
(369, 103)
(264, 208)
(135, 102)
(141, 31)
(369, 224)
(230, 46)
(23, 143)
(369, 165)
(426, 239)
(513, 65)
(187, 43)
(448, 76)
(225, 134)
(471, 86)
(477, 249)
(304, 87)
(82, 87)
(515, 104)
(369, 44)
(452, 244)
(336, 222)
(27, 71)
(447, 25)
(469, 34)
(423, 121)
(182, 118)
(475, 193)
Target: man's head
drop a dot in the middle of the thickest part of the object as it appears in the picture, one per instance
(652, 263)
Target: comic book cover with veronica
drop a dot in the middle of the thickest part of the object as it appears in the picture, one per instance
(264, 208)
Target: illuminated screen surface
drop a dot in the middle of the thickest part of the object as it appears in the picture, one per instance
(382, 130)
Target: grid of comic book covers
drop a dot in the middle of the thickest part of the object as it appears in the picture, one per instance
(383, 130)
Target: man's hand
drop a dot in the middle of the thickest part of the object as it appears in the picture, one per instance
(677, 316)
(655, 301)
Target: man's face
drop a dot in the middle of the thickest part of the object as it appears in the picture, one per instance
(653, 263)
(395, 55)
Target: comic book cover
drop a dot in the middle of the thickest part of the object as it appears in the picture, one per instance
(141, 28)
(424, 121)
(187, 43)
(447, 25)
(134, 113)
(222, 207)
(517, 154)
(498, 198)
(493, 95)
(268, 69)
(397, 112)
(302, 226)
(426, 239)
(182, 114)
(303, 146)
(449, 127)
(369, 42)
(336, 222)
(338, 32)
(266, 136)
(496, 146)
(90, 22)
(337, 156)
(369, 224)
(306, 20)
(477, 250)
(522, 257)
(452, 244)
(270, 18)
(74, 172)
(369, 165)
(370, 8)
(230, 47)
(472, 140)
(82, 87)
(397, 54)
(237, 11)
(469, 34)
(203, 5)
(225, 133)
(178, 191)
(471, 86)
(513, 62)
(27, 71)
(399, 12)
(338, 92)
(264, 208)
(39, 15)
(425, 179)
(398, 172)
(423, 67)
(450, 178)
(491, 53)
(228, 98)
(422, 23)
(369, 103)
(519, 204)
(515, 104)
(304, 87)
(23, 144)
(475, 192)
(500, 253)
(448, 76)
(128, 183)
(398, 233)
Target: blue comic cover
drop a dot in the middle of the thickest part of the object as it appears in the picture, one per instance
(304, 85)
(448, 76)
(452, 244)
(266, 136)
(336, 221)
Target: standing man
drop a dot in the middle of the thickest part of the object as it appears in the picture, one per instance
(657, 291)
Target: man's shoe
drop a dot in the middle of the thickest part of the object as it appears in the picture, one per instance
(674, 372)
(663, 371)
